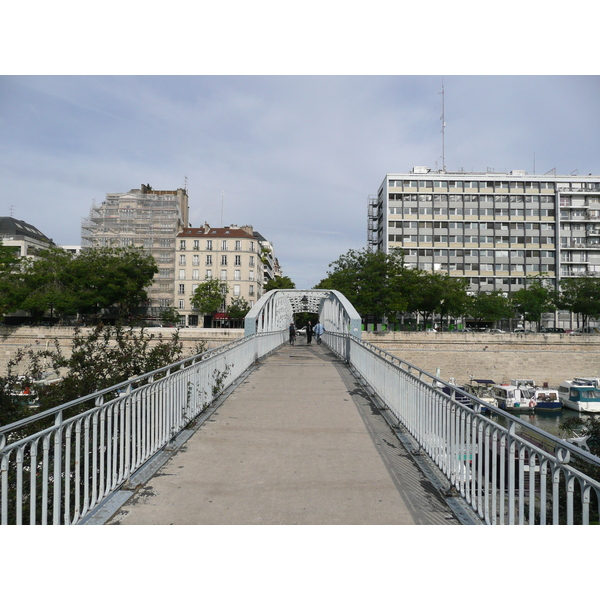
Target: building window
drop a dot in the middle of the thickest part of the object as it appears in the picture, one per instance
(224, 260)
(196, 260)
(251, 246)
(224, 245)
(181, 273)
(181, 289)
(236, 275)
(208, 260)
(196, 244)
(252, 261)
(238, 245)
(181, 304)
(236, 290)
(182, 245)
(251, 290)
(223, 275)
(238, 260)
(195, 274)
(182, 259)
(209, 244)
(208, 273)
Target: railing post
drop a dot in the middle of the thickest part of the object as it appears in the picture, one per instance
(57, 467)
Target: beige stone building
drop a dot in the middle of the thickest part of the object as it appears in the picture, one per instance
(233, 255)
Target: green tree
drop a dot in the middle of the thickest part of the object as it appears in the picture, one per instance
(581, 296)
(10, 263)
(426, 293)
(12, 404)
(99, 359)
(455, 299)
(534, 300)
(238, 308)
(280, 282)
(112, 278)
(209, 296)
(169, 316)
(371, 280)
(44, 284)
(490, 306)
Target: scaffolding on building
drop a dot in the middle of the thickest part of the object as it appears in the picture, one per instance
(142, 218)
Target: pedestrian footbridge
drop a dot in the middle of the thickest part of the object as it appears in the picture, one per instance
(261, 432)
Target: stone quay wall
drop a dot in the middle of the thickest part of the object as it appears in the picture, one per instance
(13, 338)
(550, 358)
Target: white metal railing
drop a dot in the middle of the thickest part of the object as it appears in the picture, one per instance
(57, 466)
(508, 471)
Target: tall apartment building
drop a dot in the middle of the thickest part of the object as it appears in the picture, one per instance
(231, 254)
(496, 229)
(145, 218)
(271, 268)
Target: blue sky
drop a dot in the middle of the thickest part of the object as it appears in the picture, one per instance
(295, 155)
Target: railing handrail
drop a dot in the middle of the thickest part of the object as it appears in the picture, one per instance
(482, 403)
(61, 472)
(114, 388)
(502, 472)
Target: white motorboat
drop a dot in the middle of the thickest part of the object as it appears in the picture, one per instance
(581, 394)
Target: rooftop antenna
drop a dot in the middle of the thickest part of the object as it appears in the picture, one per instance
(12, 212)
(443, 129)
(222, 200)
(185, 182)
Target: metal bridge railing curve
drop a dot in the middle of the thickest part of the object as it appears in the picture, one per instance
(509, 472)
(55, 467)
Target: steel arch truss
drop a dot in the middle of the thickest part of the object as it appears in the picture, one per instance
(276, 309)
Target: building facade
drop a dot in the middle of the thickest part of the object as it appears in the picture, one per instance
(145, 218)
(495, 229)
(233, 255)
(23, 238)
(271, 268)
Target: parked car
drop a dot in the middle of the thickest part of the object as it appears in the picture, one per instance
(301, 331)
(552, 330)
(586, 331)
(494, 331)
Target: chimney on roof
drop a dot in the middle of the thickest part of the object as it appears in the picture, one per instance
(206, 227)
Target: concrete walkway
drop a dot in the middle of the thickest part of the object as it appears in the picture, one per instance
(297, 442)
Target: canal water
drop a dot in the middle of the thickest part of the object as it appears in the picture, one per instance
(550, 421)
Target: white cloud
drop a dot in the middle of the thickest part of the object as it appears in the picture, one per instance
(295, 156)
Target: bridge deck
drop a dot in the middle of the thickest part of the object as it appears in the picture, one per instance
(297, 442)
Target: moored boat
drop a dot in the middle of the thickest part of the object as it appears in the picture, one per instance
(546, 398)
(580, 394)
(481, 388)
(513, 398)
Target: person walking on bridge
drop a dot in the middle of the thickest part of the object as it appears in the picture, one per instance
(319, 330)
(309, 333)
(292, 331)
